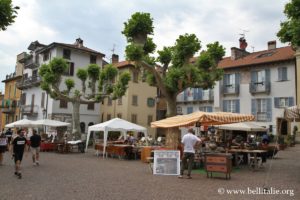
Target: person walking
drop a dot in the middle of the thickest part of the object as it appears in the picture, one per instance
(8, 134)
(35, 142)
(17, 148)
(3, 146)
(189, 141)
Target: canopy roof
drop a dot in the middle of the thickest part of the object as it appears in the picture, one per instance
(292, 112)
(242, 126)
(20, 123)
(49, 122)
(117, 124)
(205, 118)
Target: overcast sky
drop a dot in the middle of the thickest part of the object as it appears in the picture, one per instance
(99, 23)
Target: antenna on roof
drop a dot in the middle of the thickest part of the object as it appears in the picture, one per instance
(244, 32)
(113, 49)
(252, 48)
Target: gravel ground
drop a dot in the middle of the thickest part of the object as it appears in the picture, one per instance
(85, 176)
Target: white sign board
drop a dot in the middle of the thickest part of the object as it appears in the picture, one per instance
(166, 162)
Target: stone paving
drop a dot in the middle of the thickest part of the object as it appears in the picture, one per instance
(85, 176)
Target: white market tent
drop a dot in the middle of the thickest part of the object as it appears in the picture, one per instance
(242, 126)
(115, 124)
(49, 122)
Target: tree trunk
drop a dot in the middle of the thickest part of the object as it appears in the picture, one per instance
(76, 120)
(173, 134)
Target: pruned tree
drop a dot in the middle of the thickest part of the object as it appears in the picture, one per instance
(90, 76)
(175, 71)
(290, 29)
(8, 13)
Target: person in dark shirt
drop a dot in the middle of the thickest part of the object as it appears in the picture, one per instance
(8, 134)
(35, 142)
(18, 146)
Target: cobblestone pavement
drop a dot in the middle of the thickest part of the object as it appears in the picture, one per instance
(85, 176)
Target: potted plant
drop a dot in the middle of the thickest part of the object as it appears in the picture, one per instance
(281, 143)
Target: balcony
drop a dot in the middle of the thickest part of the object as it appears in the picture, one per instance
(260, 87)
(262, 116)
(231, 89)
(30, 64)
(8, 106)
(203, 96)
(30, 110)
(26, 83)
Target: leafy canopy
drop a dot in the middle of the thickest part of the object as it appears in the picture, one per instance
(290, 29)
(8, 13)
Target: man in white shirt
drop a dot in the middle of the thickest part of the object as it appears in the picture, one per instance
(189, 141)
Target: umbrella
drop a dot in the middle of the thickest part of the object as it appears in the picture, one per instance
(205, 118)
(49, 122)
(20, 123)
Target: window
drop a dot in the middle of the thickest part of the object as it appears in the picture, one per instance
(63, 104)
(120, 101)
(282, 74)
(135, 76)
(67, 54)
(261, 76)
(179, 110)
(23, 99)
(189, 110)
(150, 119)
(43, 100)
(119, 115)
(231, 106)
(70, 70)
(262, 109)
(133, 118)
(150, 102)
(205, 108)
(109, 101)
(93, 59)
(108, 117)
(46, 56)
(134, 100)
(34, 73)
(282, 102)
(91, 106)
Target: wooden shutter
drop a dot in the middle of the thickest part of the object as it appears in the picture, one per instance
(291, 101)
(237, 106)
(253, 76)
(253, 107)
(268, 74)
(276, 102)
(269, 109)
(284, 74)
(71, 70)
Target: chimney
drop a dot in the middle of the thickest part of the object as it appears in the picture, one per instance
(272, 45)
(79, 42)
(114, 59)
(243, 43)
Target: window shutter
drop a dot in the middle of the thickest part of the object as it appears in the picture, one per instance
(200, 93)
(71, 69)
(189, 110)
(225, 80)
(185, 95)
(269, 109)
(268, 75)
(209, 109)
(253, 107)
(253, 77)
(291, 101)
(280, 77)
(237, 106)
(225, 103)
(195, 93)
(237, 78)
(276, 102)
(284, 74)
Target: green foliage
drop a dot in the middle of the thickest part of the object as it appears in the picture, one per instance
(165, 55)
(58, 66)
(134, 52)
(185, 48)
(124, 78)
(139, 25)
(173, 77)
(82, 74)
(150, 79)
(44, 69)
(290, 29)
(45, 86)
(93, 71)
(149, 46)
(8, 13)
(69, 83)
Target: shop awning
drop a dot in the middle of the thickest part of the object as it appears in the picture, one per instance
(292, 112)
(205, 118)
(242, 126)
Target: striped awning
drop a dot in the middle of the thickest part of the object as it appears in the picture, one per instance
(205, 118)
(292, 112)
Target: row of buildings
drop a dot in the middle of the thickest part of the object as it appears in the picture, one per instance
(260, 83)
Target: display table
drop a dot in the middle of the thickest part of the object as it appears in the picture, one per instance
(47, 146)
(218, 162)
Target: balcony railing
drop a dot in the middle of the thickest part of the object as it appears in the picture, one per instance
(231, 89)
(8, 106)
(25, 83)
(260, 87)
(205, 96)
(262, 116)
(29, 110)
(30, 64)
